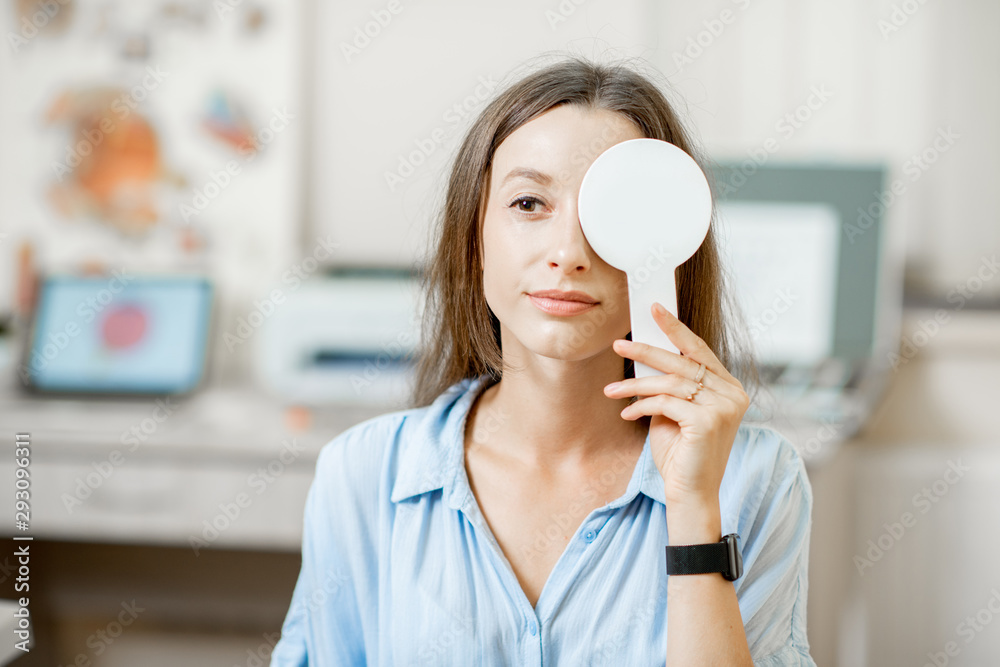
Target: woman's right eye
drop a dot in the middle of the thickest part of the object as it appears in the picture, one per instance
(525, 204)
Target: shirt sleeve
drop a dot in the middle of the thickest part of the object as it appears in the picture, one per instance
(773, 589)
(323, 625)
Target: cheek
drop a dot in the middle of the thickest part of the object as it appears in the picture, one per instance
(490, 288)
(504, 258)
(500, 279)
(620, 283)
(496, 268)
(618, 310)
(616, 284)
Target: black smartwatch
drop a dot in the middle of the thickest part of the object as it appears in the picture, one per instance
(723, 556)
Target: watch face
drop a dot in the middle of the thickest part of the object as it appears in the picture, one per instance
(735, 557)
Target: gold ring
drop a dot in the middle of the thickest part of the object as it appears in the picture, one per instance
(691, 396)
(701, 373)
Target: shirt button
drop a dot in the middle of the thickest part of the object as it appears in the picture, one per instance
(533, 629)
(589, 536)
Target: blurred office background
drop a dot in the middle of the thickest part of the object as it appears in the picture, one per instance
(212, 222)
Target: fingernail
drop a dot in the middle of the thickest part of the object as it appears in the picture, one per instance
(660, 310)
(613, 386)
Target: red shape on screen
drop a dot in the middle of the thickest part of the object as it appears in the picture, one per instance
(124, 326)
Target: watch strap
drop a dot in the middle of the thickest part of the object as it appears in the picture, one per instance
(723, 557)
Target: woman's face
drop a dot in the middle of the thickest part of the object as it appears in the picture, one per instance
(532, 239)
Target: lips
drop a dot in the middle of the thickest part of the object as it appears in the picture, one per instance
(580, 297)
(556, 302)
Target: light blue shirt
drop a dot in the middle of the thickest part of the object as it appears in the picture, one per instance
(400, 568)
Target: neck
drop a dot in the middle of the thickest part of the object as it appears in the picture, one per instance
(554, 416)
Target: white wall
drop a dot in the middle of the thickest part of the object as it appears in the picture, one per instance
(888, 90)
(400, 103)
(892, 87)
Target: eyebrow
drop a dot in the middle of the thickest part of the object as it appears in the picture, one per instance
(526, 172)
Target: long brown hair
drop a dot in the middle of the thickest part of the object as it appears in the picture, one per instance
(460, 335)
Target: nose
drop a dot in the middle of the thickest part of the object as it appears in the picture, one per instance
(569, 249)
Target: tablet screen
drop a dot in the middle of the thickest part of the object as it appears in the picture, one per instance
(119, 333)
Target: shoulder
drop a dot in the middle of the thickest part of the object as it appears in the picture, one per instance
(352, 462)
(364, 460)
(346, 499)
(770, 504)
(362, 445)
(764, 467)
(762, 454)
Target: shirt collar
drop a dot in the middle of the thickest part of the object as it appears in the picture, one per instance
(432, 452)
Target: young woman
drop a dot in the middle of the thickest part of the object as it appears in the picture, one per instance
(518, 513)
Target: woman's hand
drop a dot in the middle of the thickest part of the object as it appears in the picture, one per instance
(690, 440)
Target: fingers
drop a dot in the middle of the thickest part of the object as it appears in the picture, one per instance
(706, 405)
(670, 383)
(677, 409)
(688, 343)
(669, 363)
